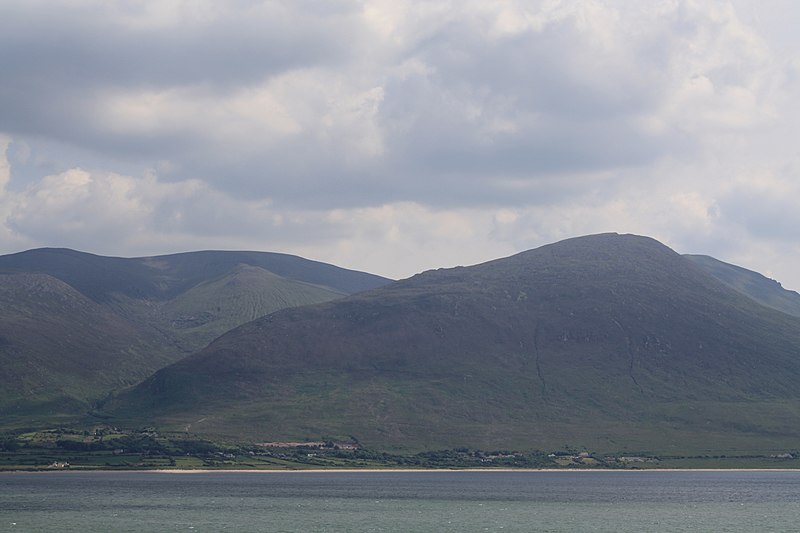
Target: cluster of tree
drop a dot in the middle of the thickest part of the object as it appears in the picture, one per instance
(194, 447)
(464, 457)
(452, 458)
(146, 444)
(81, 446)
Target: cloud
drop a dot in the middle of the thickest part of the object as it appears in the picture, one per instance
(764, 205)
(142, 216)
(274, 98)
(399, 136)
(5, 166)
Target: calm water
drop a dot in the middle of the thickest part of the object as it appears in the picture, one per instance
(407, 501)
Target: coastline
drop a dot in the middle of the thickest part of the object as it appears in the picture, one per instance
(396, 470)
(479, 470)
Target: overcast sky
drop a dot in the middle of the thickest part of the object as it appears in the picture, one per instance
(394, 137)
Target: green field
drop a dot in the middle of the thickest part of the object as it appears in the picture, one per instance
(107, 448)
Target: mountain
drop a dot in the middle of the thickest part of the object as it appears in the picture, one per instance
(75, 326)
(166, 276)
(610, 342)
(760, 288)
(58, 347)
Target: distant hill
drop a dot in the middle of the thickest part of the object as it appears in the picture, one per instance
(167, 276)
(760, 288)
(610, 342)
(75, 326)
(58, 347)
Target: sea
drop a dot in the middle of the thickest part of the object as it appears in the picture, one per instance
(461, 501)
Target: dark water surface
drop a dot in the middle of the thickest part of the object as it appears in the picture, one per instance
(400, 501)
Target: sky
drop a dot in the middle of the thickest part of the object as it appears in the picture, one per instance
(395, 137)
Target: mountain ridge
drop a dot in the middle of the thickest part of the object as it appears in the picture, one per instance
(174, 273)
(605, 340)
(76, 326)
(762, 289)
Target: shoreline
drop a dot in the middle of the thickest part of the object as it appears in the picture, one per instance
(395, 470)
(477, 470)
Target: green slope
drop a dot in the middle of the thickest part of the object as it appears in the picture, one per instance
(167, 276)
(611, 342)
(76, 326)
(58, 348)
(752, 284)
(211, 308)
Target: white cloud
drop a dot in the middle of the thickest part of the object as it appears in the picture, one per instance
(424, 91)
(400, 136)
(123, 215)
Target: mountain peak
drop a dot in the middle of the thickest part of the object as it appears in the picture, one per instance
(601, 341)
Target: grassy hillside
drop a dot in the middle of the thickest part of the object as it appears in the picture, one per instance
(752, 284)
(213, 307)
(167, 276)
(76, 326)
(609, 342)
(58, 347)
